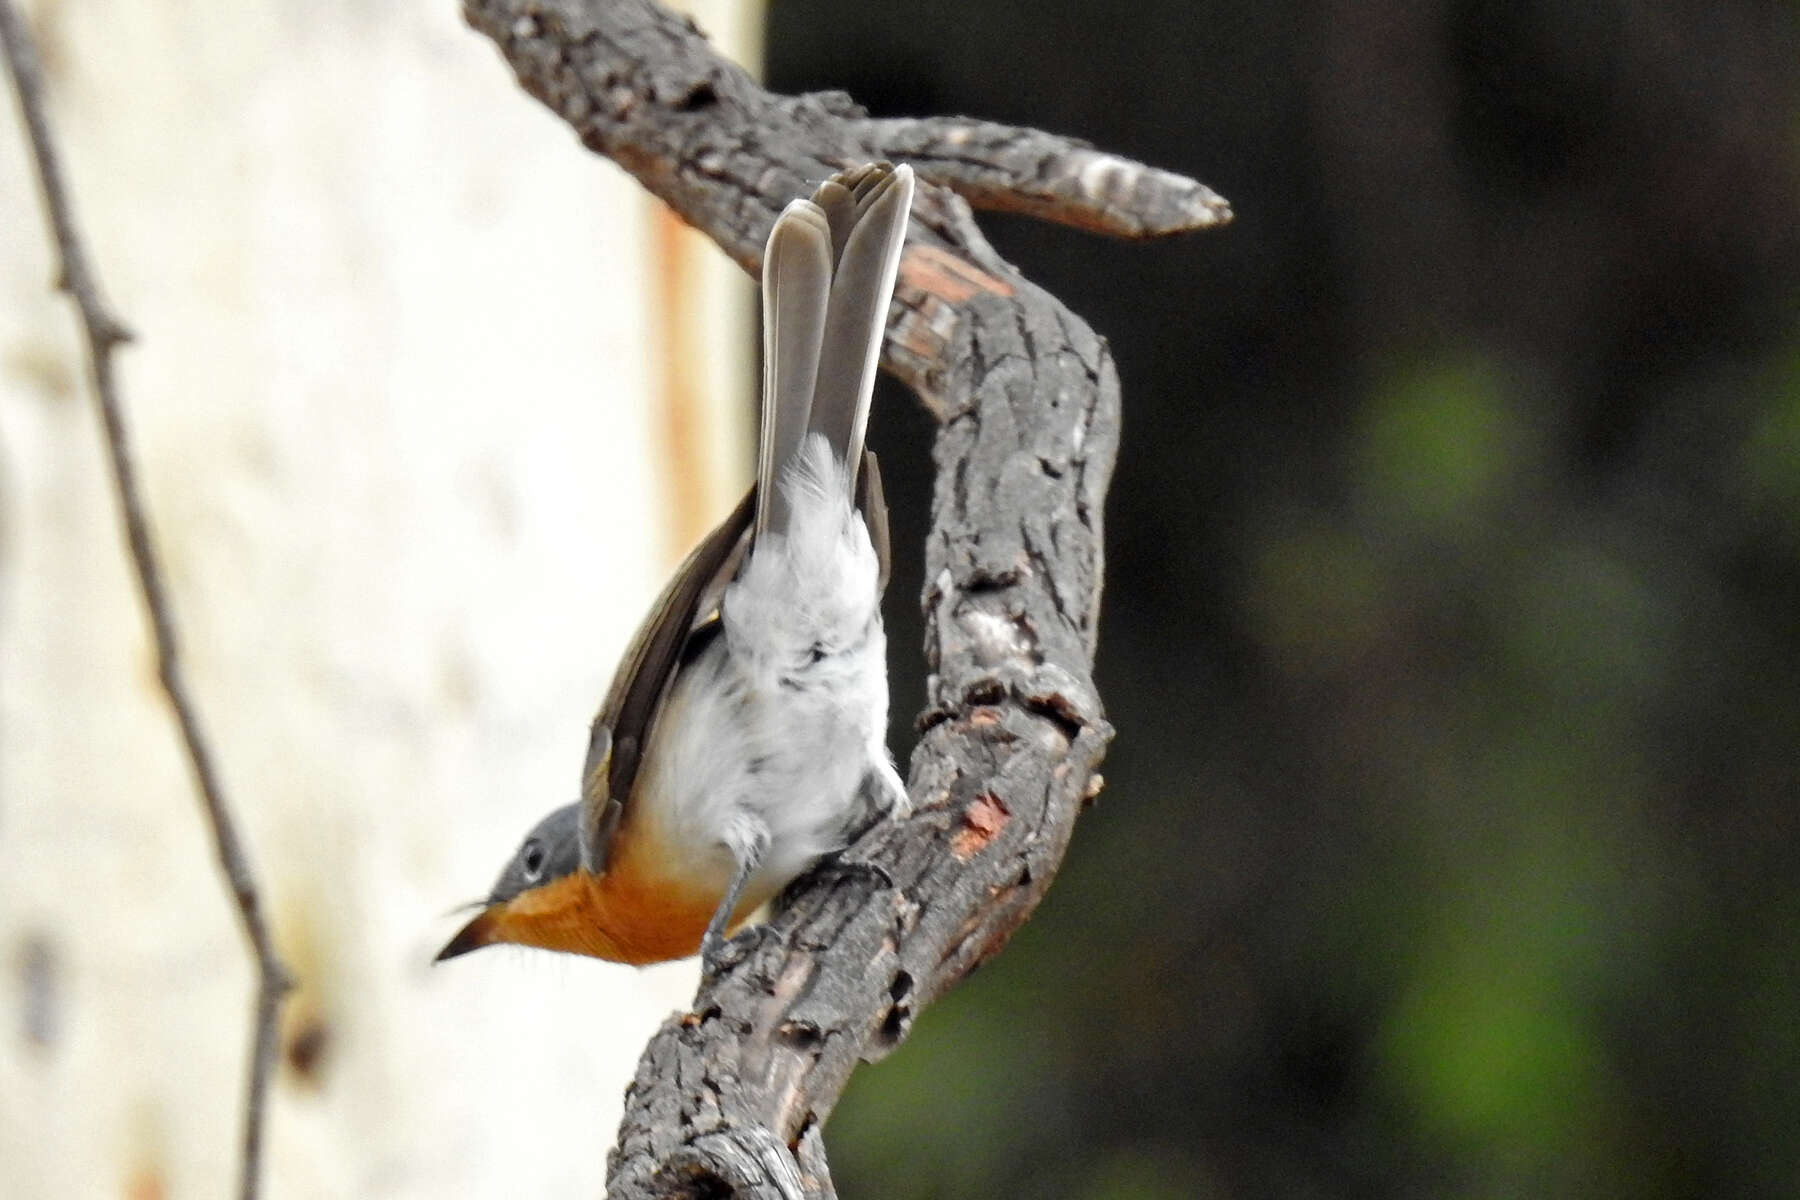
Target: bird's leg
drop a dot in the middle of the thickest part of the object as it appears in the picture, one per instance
(883, 796)
(747, 849)
(713, 940)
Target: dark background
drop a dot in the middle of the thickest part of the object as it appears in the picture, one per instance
(1452, 632)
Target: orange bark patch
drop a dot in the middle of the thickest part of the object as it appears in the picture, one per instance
(940, 273)
(983, 820)
(145, 1183)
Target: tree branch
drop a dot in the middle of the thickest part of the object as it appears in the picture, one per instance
(104, 333)
(1003, 168)
(730, 1098)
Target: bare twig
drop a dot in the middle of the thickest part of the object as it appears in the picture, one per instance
(729, 1099)
(1007, 169)
(104, 333)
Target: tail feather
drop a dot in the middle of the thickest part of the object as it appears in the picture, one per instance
(857, 318)
(796, 294)
(828, 276)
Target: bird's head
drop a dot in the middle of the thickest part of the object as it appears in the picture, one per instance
(542, 896)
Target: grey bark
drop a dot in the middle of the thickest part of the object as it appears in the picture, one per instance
(729, 1099)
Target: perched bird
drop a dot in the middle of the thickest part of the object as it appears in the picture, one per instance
(744, 736)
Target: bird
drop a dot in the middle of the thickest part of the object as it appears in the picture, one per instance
(743, 739)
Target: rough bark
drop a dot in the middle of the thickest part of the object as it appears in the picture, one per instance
(729, 1098)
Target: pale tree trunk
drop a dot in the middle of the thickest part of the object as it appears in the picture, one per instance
(401, 409)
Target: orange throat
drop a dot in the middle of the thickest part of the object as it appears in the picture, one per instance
(620, 916)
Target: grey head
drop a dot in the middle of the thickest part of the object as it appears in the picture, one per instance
(551, 850)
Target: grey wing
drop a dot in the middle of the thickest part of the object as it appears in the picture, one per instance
(687, 606)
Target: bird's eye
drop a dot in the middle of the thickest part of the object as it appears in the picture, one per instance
(532, 859)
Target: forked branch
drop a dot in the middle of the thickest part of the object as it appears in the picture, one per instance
(730, 1098)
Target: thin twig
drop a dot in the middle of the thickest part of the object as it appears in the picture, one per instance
(104, 333)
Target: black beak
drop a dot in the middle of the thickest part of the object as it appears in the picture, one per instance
(477, 933)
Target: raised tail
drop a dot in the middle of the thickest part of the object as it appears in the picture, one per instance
(828, 275)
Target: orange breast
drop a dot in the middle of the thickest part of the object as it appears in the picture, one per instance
(648, 919)
(641, 910)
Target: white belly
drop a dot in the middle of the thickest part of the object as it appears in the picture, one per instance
(770, 734)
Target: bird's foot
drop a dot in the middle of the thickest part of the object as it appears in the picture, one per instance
(719, 954)
(843, 867)
(834, 866)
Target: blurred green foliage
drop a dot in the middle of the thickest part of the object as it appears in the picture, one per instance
(1451, 843)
